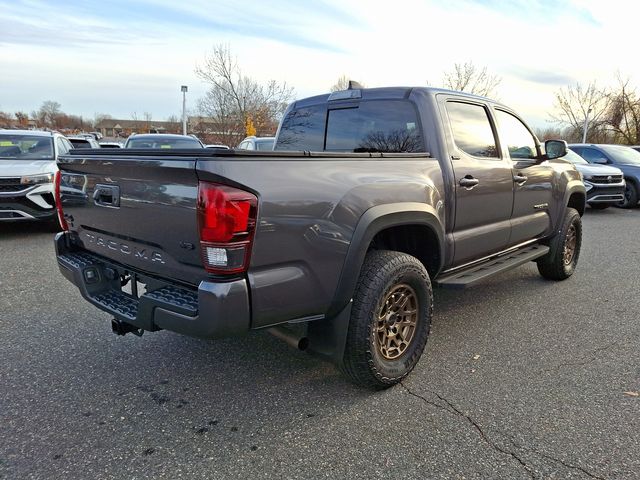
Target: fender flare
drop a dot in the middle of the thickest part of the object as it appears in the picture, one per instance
(574, 186)
(373, 221)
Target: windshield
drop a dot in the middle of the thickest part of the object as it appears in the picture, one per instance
(574, 158)
(163, 142)
(26, 147)
(621, 154)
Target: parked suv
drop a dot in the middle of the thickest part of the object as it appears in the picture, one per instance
(83, 141)
(604, 184)
(625, 158)
(162, 140)
(27, 169)
(257, 143)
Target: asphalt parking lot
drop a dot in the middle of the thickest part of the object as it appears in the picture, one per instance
(521, 378)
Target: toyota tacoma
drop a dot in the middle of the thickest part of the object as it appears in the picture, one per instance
(332, 241)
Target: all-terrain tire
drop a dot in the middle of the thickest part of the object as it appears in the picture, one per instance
(388, 280)
(560, 263)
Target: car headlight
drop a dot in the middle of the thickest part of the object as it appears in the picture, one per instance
(587, 186)
(36, 179)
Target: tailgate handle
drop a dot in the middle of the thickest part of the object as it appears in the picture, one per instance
(107, 195)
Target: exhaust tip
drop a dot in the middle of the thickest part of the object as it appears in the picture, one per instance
(290, 337)
(303, 343)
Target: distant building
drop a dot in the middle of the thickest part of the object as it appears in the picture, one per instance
(112, 127)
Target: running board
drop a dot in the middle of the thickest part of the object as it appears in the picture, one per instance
(476, 273)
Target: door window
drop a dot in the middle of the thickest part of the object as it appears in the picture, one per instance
(471, 128)
(516, 136)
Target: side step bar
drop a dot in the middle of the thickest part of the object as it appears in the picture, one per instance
(476, 273)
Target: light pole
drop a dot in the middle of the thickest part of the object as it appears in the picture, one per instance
(586, 125)
(183, 89)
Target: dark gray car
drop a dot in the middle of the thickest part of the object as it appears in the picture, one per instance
(332, 241)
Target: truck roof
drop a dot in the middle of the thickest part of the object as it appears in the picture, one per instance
(387, 93)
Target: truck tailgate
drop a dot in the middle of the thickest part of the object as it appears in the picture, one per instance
(136, 210)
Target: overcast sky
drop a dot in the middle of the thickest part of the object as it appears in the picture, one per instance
(121, 56)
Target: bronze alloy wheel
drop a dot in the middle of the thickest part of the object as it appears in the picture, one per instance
(570, 244)
(396, 322)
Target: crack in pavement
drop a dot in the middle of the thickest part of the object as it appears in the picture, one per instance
(593, 357)
(454, 410)
(565, 464)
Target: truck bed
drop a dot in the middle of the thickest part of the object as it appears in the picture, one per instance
(309, 205)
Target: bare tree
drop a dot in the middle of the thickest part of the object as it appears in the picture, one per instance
(99, 117)
(173, 118)
(623, 117)
(572, 105)
(342, 84)
(48, 112)
(23, 119)
(233, 97)
(468, 77)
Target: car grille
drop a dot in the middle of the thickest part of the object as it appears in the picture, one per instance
(11, 185)
(606, 179)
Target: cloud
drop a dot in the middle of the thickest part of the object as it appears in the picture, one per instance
(121, 21)
(546, 77)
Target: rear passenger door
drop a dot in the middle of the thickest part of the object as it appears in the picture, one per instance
(483, 181)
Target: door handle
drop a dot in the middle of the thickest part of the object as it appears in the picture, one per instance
(519, 178)
(468, 182)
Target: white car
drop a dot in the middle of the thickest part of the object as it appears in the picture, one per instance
(27, 171)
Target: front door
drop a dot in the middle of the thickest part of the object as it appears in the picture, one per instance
(533, 181)
(483, 183)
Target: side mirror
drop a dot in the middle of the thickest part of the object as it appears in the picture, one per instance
(555, 149)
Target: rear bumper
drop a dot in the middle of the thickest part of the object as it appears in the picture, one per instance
(213, 310)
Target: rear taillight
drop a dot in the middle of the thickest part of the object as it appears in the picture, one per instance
(63, 222)
(227, 219)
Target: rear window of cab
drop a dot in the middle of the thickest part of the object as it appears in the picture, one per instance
(388, 126)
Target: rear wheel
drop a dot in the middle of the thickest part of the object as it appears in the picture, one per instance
(390, 319)
(564, 249)
(630, 196)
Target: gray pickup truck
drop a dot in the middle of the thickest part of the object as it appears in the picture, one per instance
(333, 240)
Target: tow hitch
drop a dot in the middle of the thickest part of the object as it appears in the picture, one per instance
(122, 328)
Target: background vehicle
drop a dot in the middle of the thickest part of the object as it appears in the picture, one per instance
(110, 145)
(83, 141)
(625, 158)
(605, 184)
(211, 145)
(27, 169)
(257, 143)
(162, 140)
(369, 197)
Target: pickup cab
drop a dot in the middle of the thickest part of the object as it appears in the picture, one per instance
(332, 241)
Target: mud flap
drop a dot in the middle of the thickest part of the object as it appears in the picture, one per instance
(327, 338)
